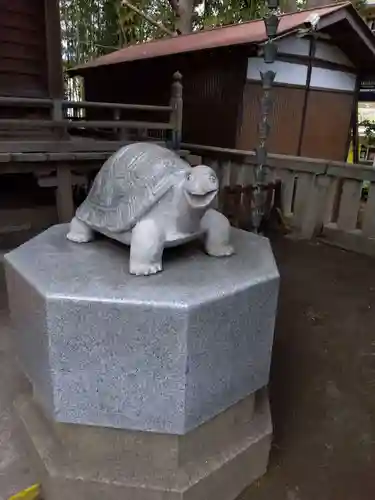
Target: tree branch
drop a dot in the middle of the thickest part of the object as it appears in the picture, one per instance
(158, 24)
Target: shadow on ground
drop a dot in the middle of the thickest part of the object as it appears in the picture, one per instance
(322, 382)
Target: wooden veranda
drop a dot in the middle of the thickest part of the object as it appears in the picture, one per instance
(79, 136)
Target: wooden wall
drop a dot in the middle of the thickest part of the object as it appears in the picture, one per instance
(314, 96)
(285, 119)
(30, 58)
(23, 57)
(327, 123)
(28, 47)
(212, 90)
(323, 133)
(212, 98)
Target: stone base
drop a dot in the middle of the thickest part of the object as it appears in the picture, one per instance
(162, 353)
(215, 461)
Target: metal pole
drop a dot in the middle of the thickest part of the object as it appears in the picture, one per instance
(271, 22)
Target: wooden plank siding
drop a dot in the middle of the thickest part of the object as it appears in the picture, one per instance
(325, 133)
(313, 97)
(222, 98)
(285, 118)
(23, 56)
(322, 134)
(30, 61)
(212, 91)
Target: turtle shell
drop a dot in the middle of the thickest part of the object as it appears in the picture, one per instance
(128, 185)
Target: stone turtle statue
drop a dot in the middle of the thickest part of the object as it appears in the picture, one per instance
(147, 197)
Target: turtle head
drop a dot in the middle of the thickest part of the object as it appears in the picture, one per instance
(201, 186)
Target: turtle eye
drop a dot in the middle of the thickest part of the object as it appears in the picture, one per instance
(212, 179)
(189, 177)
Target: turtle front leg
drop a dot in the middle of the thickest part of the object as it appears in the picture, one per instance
(146, 248)
(217, 232)
(79, 232)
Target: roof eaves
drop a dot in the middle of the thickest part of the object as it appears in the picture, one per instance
(356, 22)
(338, 8)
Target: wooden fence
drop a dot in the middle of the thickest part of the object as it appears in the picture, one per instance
(59, 119)
(335, 200)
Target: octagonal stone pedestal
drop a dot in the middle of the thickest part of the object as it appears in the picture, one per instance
(144, 385)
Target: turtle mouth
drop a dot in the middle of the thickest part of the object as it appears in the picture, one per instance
(200, 200)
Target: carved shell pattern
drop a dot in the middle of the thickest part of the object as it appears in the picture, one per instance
(129, 184)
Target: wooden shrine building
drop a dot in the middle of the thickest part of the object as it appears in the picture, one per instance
(316, 85)
(46, 151)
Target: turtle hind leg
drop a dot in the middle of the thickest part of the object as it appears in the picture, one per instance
(146, 248)
(79, 232)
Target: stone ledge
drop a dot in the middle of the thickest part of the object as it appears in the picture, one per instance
(353, 241)
(221, 476)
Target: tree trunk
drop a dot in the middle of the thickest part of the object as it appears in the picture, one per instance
(289, 6)
(310, 4)
(183, 10)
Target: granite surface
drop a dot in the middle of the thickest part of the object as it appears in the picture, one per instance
(149, 466)
(163, 353)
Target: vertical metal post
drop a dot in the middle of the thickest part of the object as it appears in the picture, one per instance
(271, 22)
(177, 110)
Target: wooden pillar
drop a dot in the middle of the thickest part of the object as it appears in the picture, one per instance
(53, 48)
(64, 194)
(354, 125)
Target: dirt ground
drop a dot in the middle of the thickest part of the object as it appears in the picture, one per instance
(322, 377)
(322, 382)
